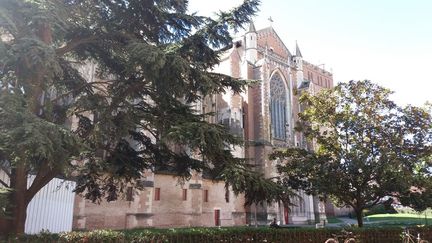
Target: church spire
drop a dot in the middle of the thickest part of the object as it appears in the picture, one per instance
(298, 65)
(298, 52)
(250, 40)
(251, 27)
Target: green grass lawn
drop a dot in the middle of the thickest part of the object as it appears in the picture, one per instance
(398, 216)
(400, 219)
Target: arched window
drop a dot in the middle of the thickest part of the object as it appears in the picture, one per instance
(299, 207)
(278, 106)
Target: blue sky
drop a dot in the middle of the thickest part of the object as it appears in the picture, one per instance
(388, 42)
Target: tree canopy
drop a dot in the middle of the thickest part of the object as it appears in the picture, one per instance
(153, 62)
(367, 148)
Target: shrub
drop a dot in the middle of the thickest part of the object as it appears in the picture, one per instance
(379, 209)
(235, 234)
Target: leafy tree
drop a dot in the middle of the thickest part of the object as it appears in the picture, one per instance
(153, 60)
(368, 148)
(418, 197)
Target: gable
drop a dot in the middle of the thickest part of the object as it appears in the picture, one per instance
(268, 37)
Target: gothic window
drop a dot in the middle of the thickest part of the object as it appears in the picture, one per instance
(299, 207)
(278, 106)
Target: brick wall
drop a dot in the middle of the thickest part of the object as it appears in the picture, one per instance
(170, 211)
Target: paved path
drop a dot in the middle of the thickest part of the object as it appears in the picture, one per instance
(347, 220)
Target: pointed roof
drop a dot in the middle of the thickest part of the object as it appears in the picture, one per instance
(304, 84)
(263, 33)
(251, 27)
(298, 52)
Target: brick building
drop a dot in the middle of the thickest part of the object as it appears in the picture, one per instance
(264, 115)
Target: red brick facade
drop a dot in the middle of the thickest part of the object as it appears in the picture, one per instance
(259, 55)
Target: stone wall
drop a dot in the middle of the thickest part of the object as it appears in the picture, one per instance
(172, 210)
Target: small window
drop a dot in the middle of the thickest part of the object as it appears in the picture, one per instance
(227, 196)
(157, 194)
(129, 194)
(206, 195)
(217, 217)
(184, 194)
(243, 120)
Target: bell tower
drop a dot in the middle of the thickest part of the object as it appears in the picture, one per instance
(251, 53)
(298, 64)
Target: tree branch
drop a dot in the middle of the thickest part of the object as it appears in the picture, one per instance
(350, 204)
(89, 84)
(74, 43)
(39, 182)
(43, 176)
(373, 203)
(4, 183)
(6, 170)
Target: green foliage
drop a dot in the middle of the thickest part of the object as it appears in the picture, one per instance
(257, 189)
(45, 142)
(379, 209)
(419, 198)
(407, 210)
(152, 62)
(367, 147)
(4, 194)
(245, 234)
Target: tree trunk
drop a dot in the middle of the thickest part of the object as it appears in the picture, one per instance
(359, 215)
(21, 197)
(19, 214)
(5, 227)
(18, 199)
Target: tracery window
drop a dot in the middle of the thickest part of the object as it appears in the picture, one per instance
(278, 106)
(299, 207)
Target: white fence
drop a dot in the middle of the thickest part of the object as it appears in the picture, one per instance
(51, 208)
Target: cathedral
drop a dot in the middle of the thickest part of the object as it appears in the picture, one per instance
(264, 115)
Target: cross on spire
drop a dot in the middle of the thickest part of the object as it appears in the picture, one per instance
(270, 20)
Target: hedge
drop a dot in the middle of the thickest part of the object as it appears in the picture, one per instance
(202, 235)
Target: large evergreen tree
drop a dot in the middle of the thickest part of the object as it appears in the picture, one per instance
(368, 149)
(153, 60)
